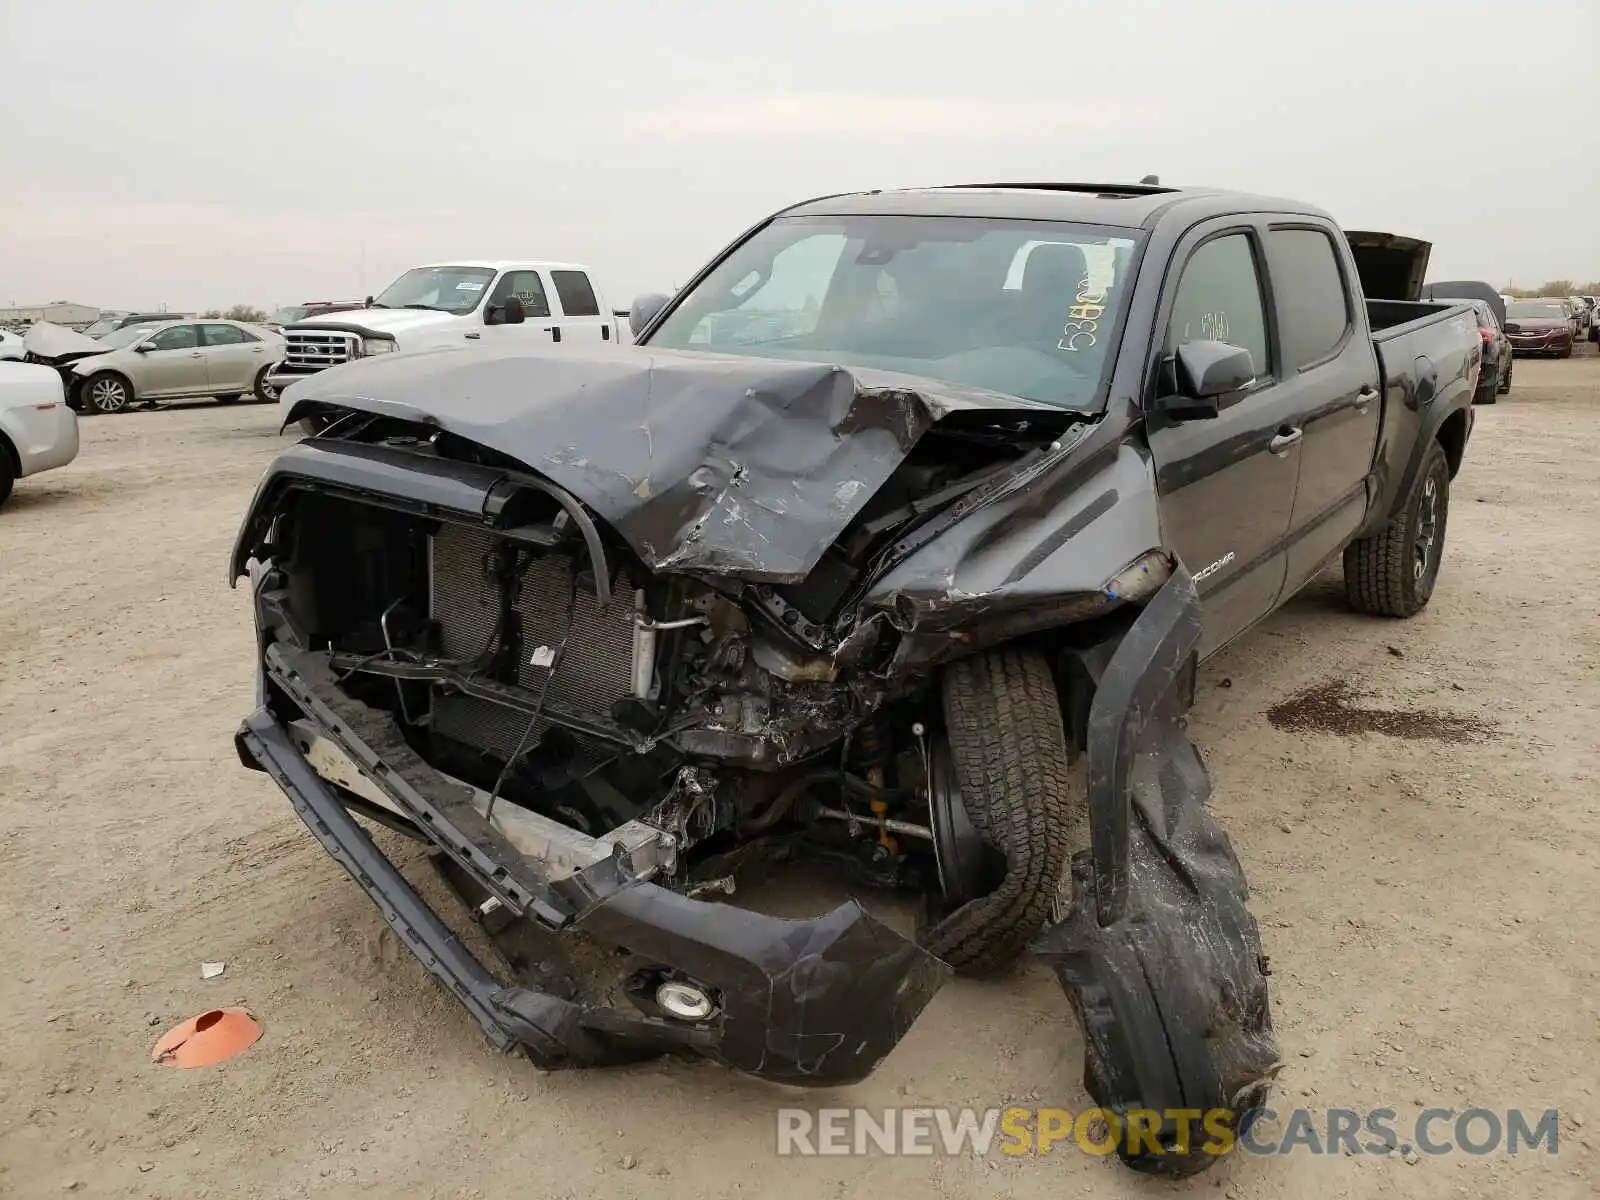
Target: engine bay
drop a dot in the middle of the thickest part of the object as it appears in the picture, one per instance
(741, 720)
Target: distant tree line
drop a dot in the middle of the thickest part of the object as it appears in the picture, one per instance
(239, 312)
(1557, 287)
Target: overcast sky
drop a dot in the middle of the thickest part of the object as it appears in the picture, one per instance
(206, 154)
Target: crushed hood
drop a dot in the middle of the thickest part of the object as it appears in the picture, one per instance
(44, 340)
(737, 466)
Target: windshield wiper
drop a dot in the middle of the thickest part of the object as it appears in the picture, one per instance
(428, 307)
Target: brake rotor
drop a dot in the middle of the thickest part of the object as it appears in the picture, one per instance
(958, 851)
(212, 1037)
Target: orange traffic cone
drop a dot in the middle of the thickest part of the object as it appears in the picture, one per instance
(212, 1037)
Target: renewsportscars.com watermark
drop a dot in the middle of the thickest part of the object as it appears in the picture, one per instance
(971, 1132)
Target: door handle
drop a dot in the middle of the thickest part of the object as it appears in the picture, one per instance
(554, 331)
(196, 354)
(1365, 397)
(472, 336)
(1286, 438)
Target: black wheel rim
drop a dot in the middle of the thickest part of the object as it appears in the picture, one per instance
(1427, 527)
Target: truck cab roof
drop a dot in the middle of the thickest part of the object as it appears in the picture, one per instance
(503, 264)
(1124, 205)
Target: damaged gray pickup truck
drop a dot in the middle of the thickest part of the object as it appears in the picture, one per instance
(892, 545)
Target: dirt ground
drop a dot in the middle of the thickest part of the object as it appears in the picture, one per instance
(1426, 886)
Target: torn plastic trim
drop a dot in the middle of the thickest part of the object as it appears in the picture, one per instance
(1153, 655)
(373, 742)
(814, 1002)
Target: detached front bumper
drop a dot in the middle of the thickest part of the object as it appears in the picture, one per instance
(810, 1002)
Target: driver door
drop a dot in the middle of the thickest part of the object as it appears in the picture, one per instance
(173, 364)
(538, 325)
(1226, 485)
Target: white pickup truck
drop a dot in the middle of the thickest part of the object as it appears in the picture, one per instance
(450, 304)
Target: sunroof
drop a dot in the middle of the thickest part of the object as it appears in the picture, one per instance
(1091, 189)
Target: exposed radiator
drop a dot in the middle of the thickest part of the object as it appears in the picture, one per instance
(595, 671)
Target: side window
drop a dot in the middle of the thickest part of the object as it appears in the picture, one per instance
(1219, 298)
(222, 335)
(525, 286)
(178, 337)
(1313, 310)
(576, 293)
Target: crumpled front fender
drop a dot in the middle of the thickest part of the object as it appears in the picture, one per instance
(1160, 958)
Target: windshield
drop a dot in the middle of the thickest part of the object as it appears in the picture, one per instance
(1030, 309)
(126, 336)
(1536, 308)
(100, 328)
(287, 316)
(448, 289)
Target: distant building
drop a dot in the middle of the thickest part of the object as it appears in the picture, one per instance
(58, 312)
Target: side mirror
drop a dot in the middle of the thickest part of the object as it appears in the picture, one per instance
(1207, 377)
(143, 348)
(509, 311)
(645, 309)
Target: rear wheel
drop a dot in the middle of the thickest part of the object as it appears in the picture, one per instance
(1009, 757)
(264, 391)
(107, 393)
(1505, 383)
(1392, 573)
(8, 471)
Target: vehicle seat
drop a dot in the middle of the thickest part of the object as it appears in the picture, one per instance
(1050, 283)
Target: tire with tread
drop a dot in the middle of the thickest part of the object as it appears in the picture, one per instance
(99, 383)
(8, 472)
(1380, 575)
(263, 390)
(1505, 385)
(1009, 754)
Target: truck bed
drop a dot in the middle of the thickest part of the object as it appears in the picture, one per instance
(1389, 318)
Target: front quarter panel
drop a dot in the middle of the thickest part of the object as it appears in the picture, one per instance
(1052, 551)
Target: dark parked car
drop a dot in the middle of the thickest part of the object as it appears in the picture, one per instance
(1459, 290)
(907, 500)
(1540, 327)
(1495, 378)
(311, 308)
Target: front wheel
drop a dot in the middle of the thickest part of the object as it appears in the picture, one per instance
(1009, 757)
(1392, 573)
(1505, 384)
(107, 393)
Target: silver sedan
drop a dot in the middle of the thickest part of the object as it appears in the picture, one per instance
(177, 360)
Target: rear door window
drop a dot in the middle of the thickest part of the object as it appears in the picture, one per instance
(1309, 291)
(576, 293)
(223, 335)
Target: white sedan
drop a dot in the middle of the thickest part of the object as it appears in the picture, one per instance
(37, 429)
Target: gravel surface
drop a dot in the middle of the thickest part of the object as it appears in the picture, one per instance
(1428, 900)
